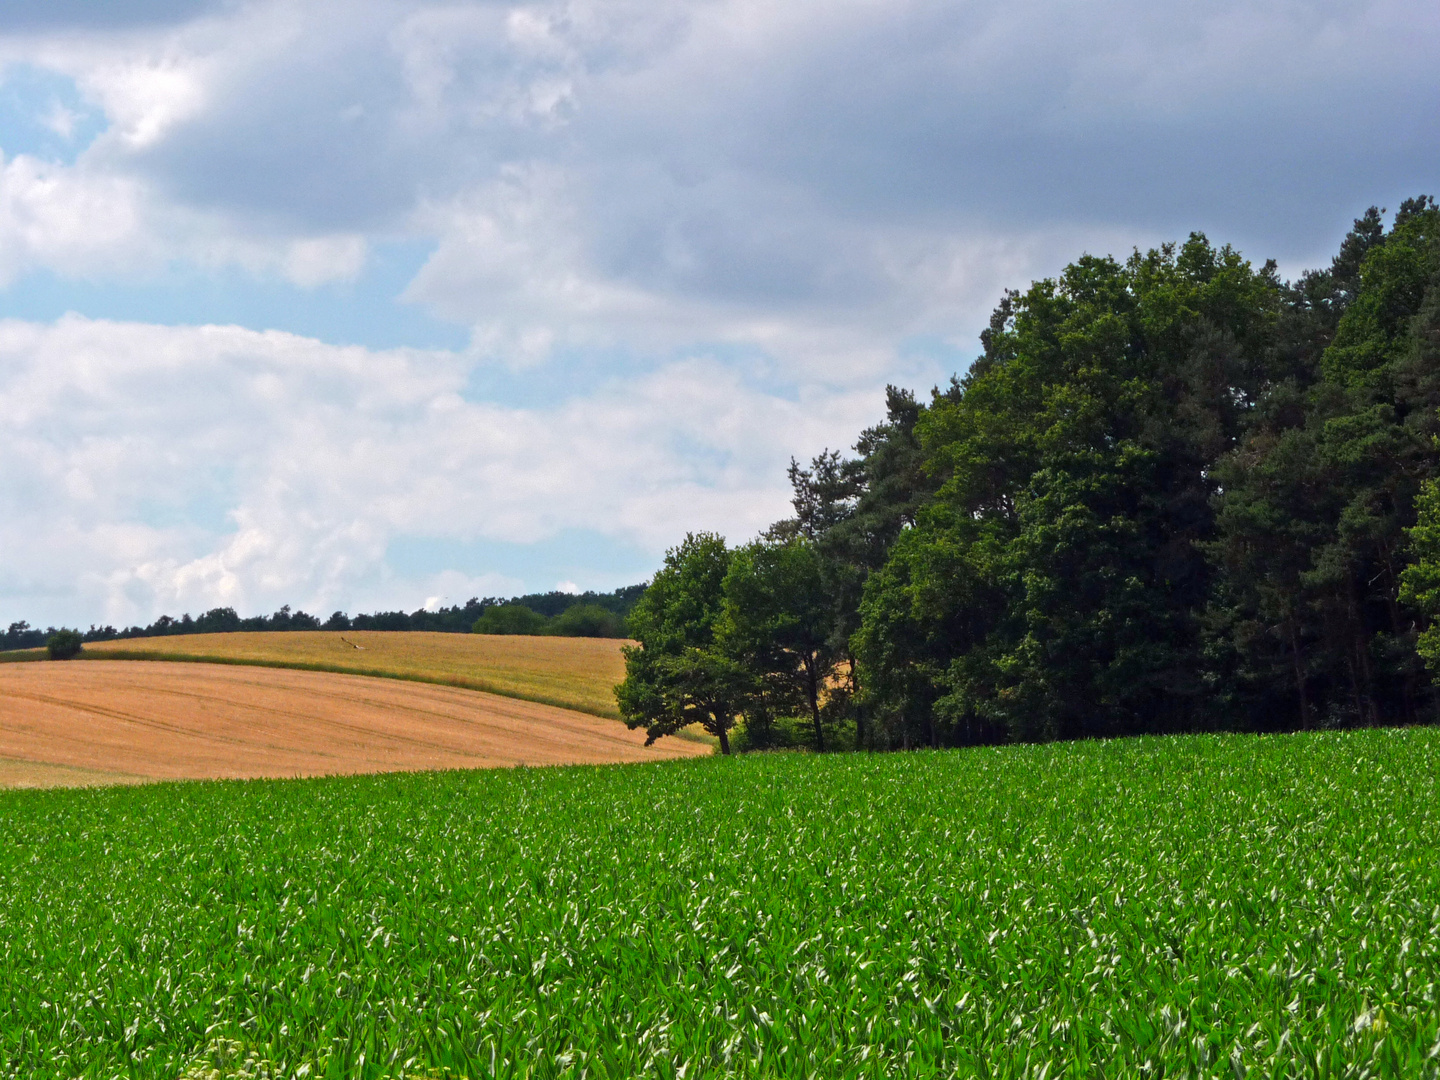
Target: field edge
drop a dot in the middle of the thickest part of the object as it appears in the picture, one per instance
(23, 656)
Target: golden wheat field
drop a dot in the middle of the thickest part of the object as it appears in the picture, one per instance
(573, 673)
(72, 724)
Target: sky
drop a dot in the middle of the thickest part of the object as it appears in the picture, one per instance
(367, 305)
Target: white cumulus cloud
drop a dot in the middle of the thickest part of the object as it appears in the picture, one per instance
(153, 468)
(687, 240)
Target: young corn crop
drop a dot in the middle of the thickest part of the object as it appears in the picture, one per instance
(1223, 906)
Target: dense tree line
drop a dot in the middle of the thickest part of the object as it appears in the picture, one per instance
(1173, 493)
(583, 619)
(588, 614)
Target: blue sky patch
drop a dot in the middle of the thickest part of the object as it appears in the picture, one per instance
(43, 114)
(367, 311)
(589, 559)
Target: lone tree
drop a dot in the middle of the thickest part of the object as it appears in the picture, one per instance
(64, 644)
(678, 675)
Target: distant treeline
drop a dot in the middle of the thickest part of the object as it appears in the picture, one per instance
(1174, 493)
(587, 614)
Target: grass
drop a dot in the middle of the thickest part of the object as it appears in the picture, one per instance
(573, 673)
(1222, 906)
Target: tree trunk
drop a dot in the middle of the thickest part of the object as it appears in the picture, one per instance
(859, 709)
(1407, 688)
(812, 685)
(1299, 677)
(1364, 680)
(724, 734)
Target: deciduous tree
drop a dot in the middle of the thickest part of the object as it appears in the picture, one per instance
(780, 617)
(678, 674)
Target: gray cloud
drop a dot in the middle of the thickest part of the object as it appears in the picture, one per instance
(759, 207)
(738, 153)
(1259, 117)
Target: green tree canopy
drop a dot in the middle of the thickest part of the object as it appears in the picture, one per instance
(1314, 503)
(678, 674)
(779, 620)
(1173, 493)
(588, 620)
(1051, 586)
(64, 644)
(511, 619)
(1420, 582)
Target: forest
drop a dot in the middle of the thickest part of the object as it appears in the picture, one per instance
(1173, 493)
(587, 614)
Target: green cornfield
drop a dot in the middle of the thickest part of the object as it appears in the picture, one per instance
(1223, 906)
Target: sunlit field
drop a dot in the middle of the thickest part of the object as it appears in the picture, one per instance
(74, 724)
(1188, 906)
(574, 673)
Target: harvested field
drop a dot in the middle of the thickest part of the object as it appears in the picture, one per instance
(67, 724)
(39, 774)
(573, 673)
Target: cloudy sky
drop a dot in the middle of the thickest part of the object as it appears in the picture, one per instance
(356, 304)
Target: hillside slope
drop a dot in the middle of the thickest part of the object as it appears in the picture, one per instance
(572, 673)
(68, 724)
